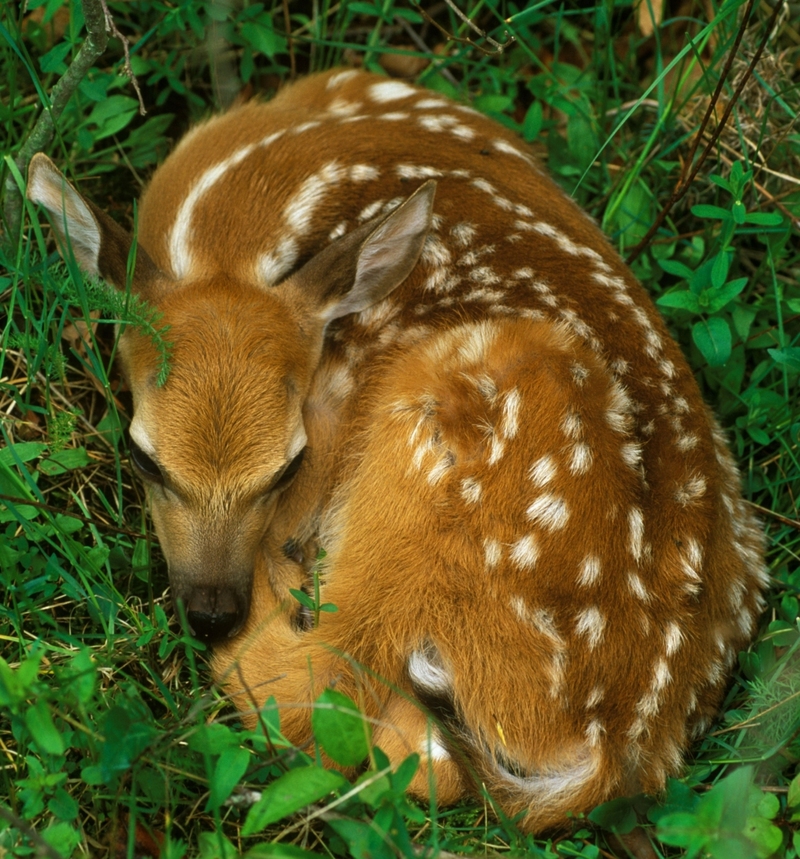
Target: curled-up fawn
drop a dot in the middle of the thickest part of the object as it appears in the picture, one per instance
(395, 338)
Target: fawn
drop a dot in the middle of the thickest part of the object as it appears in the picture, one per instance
(395, 338)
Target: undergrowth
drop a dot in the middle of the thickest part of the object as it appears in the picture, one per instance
(112, 738)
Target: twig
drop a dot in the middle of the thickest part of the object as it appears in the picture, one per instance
(420, 43)
(784, 520)
(498, 47)
(44, 130)
(112, 28)
(686, 181)
(287, 23)
(41, 846)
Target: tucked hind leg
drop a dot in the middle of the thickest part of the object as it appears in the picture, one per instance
(403, 729)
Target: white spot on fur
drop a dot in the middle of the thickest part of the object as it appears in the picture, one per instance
(275, 265)
(493, 552)
(390, 91)
(572, 425)
(431, 104)
(582, 458)
(542, 471)
(496, 449)
(524, 552)
(471, 490)
(336, 80)
(299, 212)
(691, 491)
(426, 673)
(591, 623)
(594, 732)
(338, 231)
(364, 173)
(509, 423)
(595, 697)
(637, 588)
(370, 210)
(636, 529)
(432, 748)
(549, 511)
(673, 637)
(590, 571)
(631, 455)
(464, 234)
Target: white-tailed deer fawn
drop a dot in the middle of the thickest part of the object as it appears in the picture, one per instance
(396, 338)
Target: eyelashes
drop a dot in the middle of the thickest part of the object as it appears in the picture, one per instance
(149, 469)
(146, 466)
(288, 473)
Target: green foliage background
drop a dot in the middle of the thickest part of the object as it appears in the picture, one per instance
(109, 728)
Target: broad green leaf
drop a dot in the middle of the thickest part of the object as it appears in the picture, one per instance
(279, 851)
(532, 124)
(230, 768)
(764, 834)
(718, 298)
(618, 815)
(40, 723)
(705, 211)
(362, 840)
(743, 317)
(23, 451)
(63, 806)
(214, 845)
(682, 299)
(768, 805)
(719, 270)
(789, 357)
(53, 60)
(713, 338)
(672, 266)
(340, 729)
(292, 791)
(764, 219)
(62, 837)
(263, 37)
(64, 460)
(793, 799)
(112, 115)
(303, 598)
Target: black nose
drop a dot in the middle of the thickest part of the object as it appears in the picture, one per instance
(213, 613)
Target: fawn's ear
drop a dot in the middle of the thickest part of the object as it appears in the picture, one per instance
(364, 266)
(100, 246)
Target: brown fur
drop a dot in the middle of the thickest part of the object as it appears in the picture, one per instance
(533, 525)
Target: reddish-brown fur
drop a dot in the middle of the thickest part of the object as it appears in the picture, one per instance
(533, 525)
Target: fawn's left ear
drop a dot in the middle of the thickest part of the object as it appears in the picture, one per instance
(364, 266)
(100, 245)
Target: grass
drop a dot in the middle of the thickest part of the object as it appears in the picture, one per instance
(110, 729)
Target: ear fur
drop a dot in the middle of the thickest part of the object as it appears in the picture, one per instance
(100, 245)
(366, 265)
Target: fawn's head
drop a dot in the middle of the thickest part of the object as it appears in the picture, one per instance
(224, 436)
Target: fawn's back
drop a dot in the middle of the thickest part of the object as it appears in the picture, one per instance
(532, 523)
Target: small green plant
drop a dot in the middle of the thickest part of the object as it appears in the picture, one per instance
(709, 291)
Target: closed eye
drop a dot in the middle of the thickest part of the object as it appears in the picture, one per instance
(287, 475)
(144, 464)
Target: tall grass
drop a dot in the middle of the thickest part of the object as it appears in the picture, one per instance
(111, 734)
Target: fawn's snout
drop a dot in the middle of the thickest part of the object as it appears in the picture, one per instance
(214, 613)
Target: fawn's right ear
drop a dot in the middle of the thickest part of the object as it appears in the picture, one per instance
(100, 246)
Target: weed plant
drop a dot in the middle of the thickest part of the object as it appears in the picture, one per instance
(112, 739)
